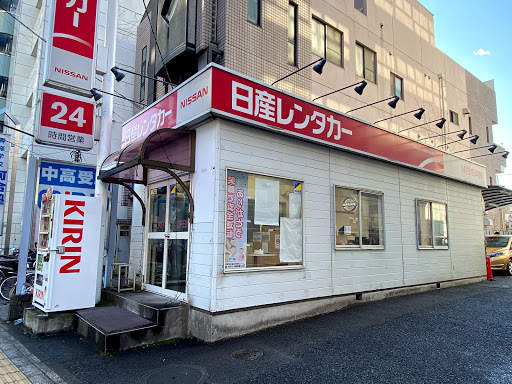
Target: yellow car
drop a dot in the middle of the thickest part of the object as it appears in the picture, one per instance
(498, 249)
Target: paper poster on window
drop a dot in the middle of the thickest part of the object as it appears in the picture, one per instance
(266, 202)
(265, 236)
(294, 200)
(235, 244)
(290, 250)
(277, 241)
(256, 236)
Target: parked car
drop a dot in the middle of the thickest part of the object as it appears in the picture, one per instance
(499, 249)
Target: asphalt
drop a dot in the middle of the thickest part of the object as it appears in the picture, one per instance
(450, 335)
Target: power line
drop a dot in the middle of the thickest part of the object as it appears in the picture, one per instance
(156, 41)
(19, 21)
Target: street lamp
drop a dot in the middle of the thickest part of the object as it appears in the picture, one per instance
(440, 124)
(417, 115)
(359, 89)
(317, 68)
(392, 103)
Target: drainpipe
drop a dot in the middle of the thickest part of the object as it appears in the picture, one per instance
(442, 84)
(104, 147)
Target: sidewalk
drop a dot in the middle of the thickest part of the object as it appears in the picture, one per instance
(17, 364)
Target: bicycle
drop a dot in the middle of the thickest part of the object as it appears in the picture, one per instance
(8, 286)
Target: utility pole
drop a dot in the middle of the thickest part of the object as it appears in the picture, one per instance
(104, 147)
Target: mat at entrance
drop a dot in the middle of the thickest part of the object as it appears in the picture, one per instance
(113, 319)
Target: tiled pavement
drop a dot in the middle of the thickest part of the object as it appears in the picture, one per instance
(17, 364)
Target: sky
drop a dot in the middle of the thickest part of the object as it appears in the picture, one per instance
(478, 35)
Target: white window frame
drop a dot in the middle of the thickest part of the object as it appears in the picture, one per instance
(273, 268)
(361, 245)
(433, 246)
(394, 77)
(324, 38)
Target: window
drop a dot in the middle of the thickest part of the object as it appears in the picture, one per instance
(359, 222)
(4, 82)
(292, 34)
(488, 134)
(326, 42)
(366, 63)
(432, 224)
(454, 118)
(360, 5)
(263, 222)
(254, 11)
(143, 73)
(168, 10)
(9, 5)
(470, 125)
(397, 86)
(5, 43)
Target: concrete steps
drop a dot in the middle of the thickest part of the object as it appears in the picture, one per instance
(132, 319)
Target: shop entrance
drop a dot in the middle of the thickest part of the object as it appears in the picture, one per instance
(168, 239)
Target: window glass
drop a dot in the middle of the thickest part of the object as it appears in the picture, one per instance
(263, 221)
(143, 73)
(168, 10)
(369, 65)
(157, 209)
(454, 118)
(372, 231)
(396, 86)
(292, 42)
(253, 11)
(326, 42)
(333, 52)
(470, 126)
(424, 224)
(318, 38)
(5, 43)
(360, 5)
(359, 61)
(155, 261)
(359, 219)
(432, 224)
(440, 224)
(4, 82)
(176, 278)
(178, 208)
(347, 216)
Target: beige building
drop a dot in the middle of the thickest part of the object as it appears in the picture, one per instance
(390, 45)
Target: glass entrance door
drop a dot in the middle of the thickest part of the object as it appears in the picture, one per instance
(168, 237)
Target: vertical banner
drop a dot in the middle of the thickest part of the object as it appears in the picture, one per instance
(64, 178)
(4, 167)
(71, 46)
(235, 244)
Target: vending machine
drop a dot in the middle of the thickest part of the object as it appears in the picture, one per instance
(68, 252)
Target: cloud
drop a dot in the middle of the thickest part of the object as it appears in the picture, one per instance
(481, 52)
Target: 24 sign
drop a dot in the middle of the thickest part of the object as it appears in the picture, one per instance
(66, 122)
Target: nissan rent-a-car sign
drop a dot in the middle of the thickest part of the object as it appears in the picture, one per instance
(71, 46)
(66, 122)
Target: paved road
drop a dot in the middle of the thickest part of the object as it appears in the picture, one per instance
(453, 335)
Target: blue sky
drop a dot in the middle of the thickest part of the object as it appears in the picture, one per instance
(464, 27)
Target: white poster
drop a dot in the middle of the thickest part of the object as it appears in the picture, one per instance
(295, 205)
(290, 240)
(266, 202)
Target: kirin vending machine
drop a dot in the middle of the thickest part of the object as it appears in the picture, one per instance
(68, 252)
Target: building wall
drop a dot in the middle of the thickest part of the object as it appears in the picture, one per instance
(326, 271)
(402, 35)
(26, 76)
